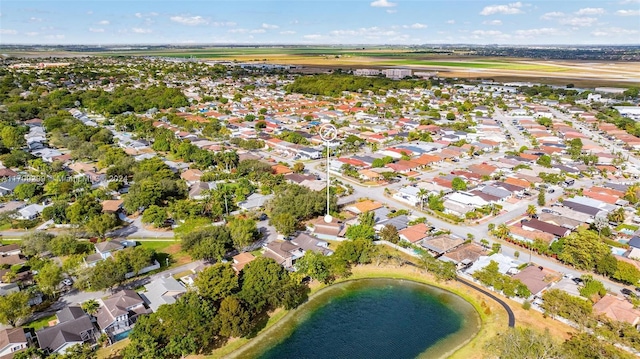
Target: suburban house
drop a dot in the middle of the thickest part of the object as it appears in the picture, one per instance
(284, 253)
(162, 291)
(309, 243)
(415, 233)
(408, 194)
(535, 224)
(241, 260)
(104, 250)
(363, 207)
(74, 327)
(441, 244)
(197, 190)
(8, 186)
(634, 248)
(465, 255)
(536, 279)
(119, 312)
(618, 309)
(324, 230)
(112, 205)
(254, 201)
(31, 211)
(11, 341)
(191, 176)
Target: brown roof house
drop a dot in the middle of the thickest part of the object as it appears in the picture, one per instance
(112, 205)
(119, 312)
(414, 233)
(11, 341)
(465, 255)
(241, 260)
(537, 279)
(74, 327)
(441, 244)
(617, 309)
(284, 253)
(324, 230)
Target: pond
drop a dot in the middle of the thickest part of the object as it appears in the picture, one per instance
(372, 318)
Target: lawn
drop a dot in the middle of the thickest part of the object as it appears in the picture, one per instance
(112, 351)
(40, 323)
(630, 227)
(157, 245)
(519, 66)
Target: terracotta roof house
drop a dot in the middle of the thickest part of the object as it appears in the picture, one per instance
(363, 206)
(120, 311)
(11, 341)
(617, 309)
(483, 169)
(241, 260)
(191, 175)
(74, 327)
(280, 169)
(441, 244)
(7, 172)
(414, 233)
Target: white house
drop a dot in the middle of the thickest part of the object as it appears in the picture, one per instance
(408, 195)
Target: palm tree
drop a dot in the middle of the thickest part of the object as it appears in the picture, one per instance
(91, 306)
(631, 194)
(531, 210)
(422, 195)
(484, 242)
(502, 231)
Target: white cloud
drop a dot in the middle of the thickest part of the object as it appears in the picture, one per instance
(269, 26)
(103, 22)
(89, 12)
(32, 33)
(509, 9)
(628, 12)
(383, 3)
(579, 21)
(35, 19)
(189, 20)
(288, 32)
(138, 15)
(451, 22)
(484, 33)
(590, 11)
(139, 30)
(54, 37)
(537, 32)
(91, 29)
(238, 31)
(492, 22)
(223, 24)
(258, 31)
(312, 37)
(614, 31)
(391, 11)
(624, 2)
(417, 25)
(294, 22)
(552, 15)
(8, 32)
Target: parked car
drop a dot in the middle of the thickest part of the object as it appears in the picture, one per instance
(67, 282)
(626, 291)
(551, 190)
(577, 280)
(546, 210)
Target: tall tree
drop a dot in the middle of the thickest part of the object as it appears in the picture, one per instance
(524, 343)
(14, 308)
(234, 319)
(217, 281)
(49, 277)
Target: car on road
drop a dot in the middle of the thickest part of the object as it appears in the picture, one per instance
(67, 282)
(551, 190)
(626, 291)
(577, 280)
(263, 217)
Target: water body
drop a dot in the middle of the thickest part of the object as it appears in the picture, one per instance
(373, 318)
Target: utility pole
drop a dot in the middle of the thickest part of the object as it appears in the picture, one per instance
(328, 133)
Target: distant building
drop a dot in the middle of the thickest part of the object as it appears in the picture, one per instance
(397, 73)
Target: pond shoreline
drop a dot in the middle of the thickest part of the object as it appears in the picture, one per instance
(285, 326)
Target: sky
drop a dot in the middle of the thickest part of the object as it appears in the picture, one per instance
(316, 22)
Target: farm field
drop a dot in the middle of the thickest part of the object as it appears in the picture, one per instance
(447, 62)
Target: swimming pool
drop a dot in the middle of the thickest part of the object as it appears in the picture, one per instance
(118, 337)
(618, 251)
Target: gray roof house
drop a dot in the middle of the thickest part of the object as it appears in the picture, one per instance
(309, 243)
(74, 327)
(7, 186)
(120, 311)
(30, 212)
(255, 201)
(162, 291)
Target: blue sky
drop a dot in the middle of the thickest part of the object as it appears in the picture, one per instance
(319, 22)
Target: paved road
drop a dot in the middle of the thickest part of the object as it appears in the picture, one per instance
(512, 317)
